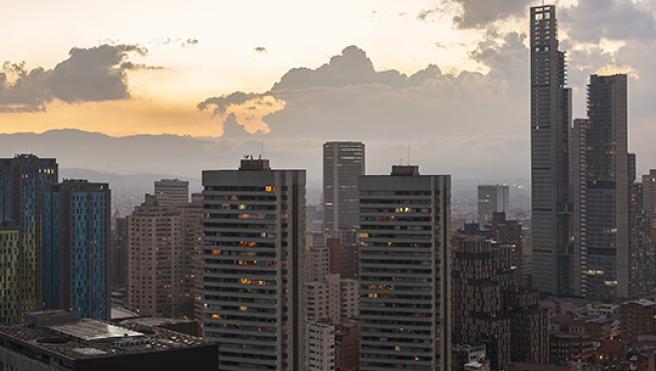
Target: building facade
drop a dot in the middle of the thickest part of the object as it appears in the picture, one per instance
(76, 239)
(23, 179)
(155, 259)
(550, 123)
(405, 294)
(343, 163)
(253, 301)
(492, 199)
(172, 192)
(603, 179)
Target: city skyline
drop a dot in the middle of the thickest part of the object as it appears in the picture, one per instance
(501, 55)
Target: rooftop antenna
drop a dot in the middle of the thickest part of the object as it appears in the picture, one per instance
(408, 155)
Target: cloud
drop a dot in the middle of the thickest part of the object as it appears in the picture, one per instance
(424, 13)
(440, 114)
(593, 20)
(260, 49)
(479, 14)
(88, 75)
(247, 109)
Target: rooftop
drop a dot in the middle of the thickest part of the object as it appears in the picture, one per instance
(72, 339)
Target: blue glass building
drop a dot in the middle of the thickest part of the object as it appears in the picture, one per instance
(76, 238)
(23, 180)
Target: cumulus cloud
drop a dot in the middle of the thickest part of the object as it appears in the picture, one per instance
(441, 114)
(88, 75)
(479, 14)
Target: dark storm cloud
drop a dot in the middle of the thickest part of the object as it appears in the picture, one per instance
(89, 74)
(592, 20)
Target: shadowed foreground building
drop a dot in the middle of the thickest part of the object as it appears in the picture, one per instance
(60, 341)
(489, 309)
(253, 302)
(405, 291)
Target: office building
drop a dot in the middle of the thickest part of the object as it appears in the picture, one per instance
(636, 318)
(603, 182)
(550, 123)
(343, 163)
(119, 256)
(317, 262)
(323, 300)
(253, 301)
(60, 341)
(490, 309)
(172, 192)
(156, 260)
(320, 346)
(347, 347)
(405, 293)
(23, 179)
(509, 232)
(343, 257)
(481, 273)
(492, 199)
(191, 215)
(568, 341)
(10, 310)
(76, 246)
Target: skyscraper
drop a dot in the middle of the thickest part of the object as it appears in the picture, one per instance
(172, 192)
(404, 271)
(76, 239)
(343, 163)
(253, 266)
(23, 180)
(491, 199)
(606, 165)
(550, 123)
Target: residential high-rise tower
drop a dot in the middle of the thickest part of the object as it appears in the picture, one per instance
(405, 294)
(253, 304)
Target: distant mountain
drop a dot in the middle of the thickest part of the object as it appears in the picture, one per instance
(127, 190)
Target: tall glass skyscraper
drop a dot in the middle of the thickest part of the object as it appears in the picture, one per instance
(76, 238)
(550, 125)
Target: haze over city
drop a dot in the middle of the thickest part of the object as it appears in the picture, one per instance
(448, 78)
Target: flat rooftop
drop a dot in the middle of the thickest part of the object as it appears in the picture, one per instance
(87, 339)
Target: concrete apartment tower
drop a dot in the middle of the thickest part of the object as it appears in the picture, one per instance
(550, 124)
(492, 199)
(253, 303)
(172, 192)
(76, 234)
(343, 164)
(23, 180)
(405, 293)
(155, 259)
(604, 175)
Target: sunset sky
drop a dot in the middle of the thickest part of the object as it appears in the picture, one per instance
(451, 73)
